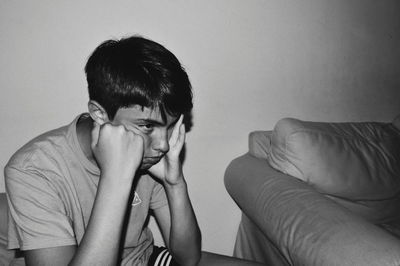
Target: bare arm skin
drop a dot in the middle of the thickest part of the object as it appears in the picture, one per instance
(178, 222)
(178, 225)
(99, 246)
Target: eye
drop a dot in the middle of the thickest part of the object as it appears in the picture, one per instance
(147, 127)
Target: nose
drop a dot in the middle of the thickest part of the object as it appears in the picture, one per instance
(160, 142)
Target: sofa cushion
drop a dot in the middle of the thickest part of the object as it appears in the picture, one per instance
(306, 227)
(358, 164)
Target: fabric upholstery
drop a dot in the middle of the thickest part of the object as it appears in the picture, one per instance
(6, 256)
(319, 194)
(305, 226)
(356, 164)
(252, 244)
(396, 122)
(351, 160)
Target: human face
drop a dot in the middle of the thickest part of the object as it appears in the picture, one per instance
(149, 124)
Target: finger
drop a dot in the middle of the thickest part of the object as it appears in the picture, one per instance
(139, 139)
(181, 138)
(175, 132)
(95, 134)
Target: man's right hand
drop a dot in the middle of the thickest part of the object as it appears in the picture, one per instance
(118, 151)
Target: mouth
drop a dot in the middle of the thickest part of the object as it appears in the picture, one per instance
(151, 160)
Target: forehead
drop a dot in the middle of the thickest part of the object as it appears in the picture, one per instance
(137, 112)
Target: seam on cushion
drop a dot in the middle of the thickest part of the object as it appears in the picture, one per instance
(372, 143)
(285, 151)
(367, 141)
(287, 160)
(303, 130)
(271, 153)
(336, 134)
(364, 140)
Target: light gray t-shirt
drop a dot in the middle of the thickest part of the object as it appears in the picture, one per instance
(51, 187)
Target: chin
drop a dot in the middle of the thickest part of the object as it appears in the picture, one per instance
(145, 166)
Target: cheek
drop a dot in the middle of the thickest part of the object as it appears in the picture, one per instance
(150, 141)
(169, 133)
(147, 140)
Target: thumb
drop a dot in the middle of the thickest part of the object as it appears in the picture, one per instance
(95, 134)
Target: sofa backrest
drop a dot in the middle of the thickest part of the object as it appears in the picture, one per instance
(355, 164)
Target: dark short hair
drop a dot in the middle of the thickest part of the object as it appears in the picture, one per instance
(137, 71)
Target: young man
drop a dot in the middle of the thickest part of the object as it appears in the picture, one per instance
(81, 194)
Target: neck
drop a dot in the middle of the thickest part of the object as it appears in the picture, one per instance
(83, 131)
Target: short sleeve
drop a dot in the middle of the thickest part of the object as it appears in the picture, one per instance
(158, 197)
(37, 215)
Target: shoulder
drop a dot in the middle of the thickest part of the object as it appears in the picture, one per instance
(42, 156)
(37, 149)
(44, 146)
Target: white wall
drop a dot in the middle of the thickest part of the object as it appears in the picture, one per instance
(250, 63)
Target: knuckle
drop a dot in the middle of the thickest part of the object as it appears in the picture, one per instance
(131, 134)
(138, 138)
(106, 127)
(120, 128)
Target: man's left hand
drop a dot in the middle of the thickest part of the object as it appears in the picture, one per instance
(169, 168)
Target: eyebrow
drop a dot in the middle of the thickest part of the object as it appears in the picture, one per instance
(156, 122)
(151, 121)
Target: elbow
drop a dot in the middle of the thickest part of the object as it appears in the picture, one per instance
(194, 261)
(188, 259)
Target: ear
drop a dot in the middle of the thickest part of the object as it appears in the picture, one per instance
(97, 112)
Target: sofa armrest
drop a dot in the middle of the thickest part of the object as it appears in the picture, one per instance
(252, 244)
(307, 227)
(6, 256)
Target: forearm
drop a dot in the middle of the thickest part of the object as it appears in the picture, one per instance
(100, 244)
(185, 236)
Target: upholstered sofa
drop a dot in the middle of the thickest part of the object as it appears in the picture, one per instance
(319, 194)
(7, 257)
